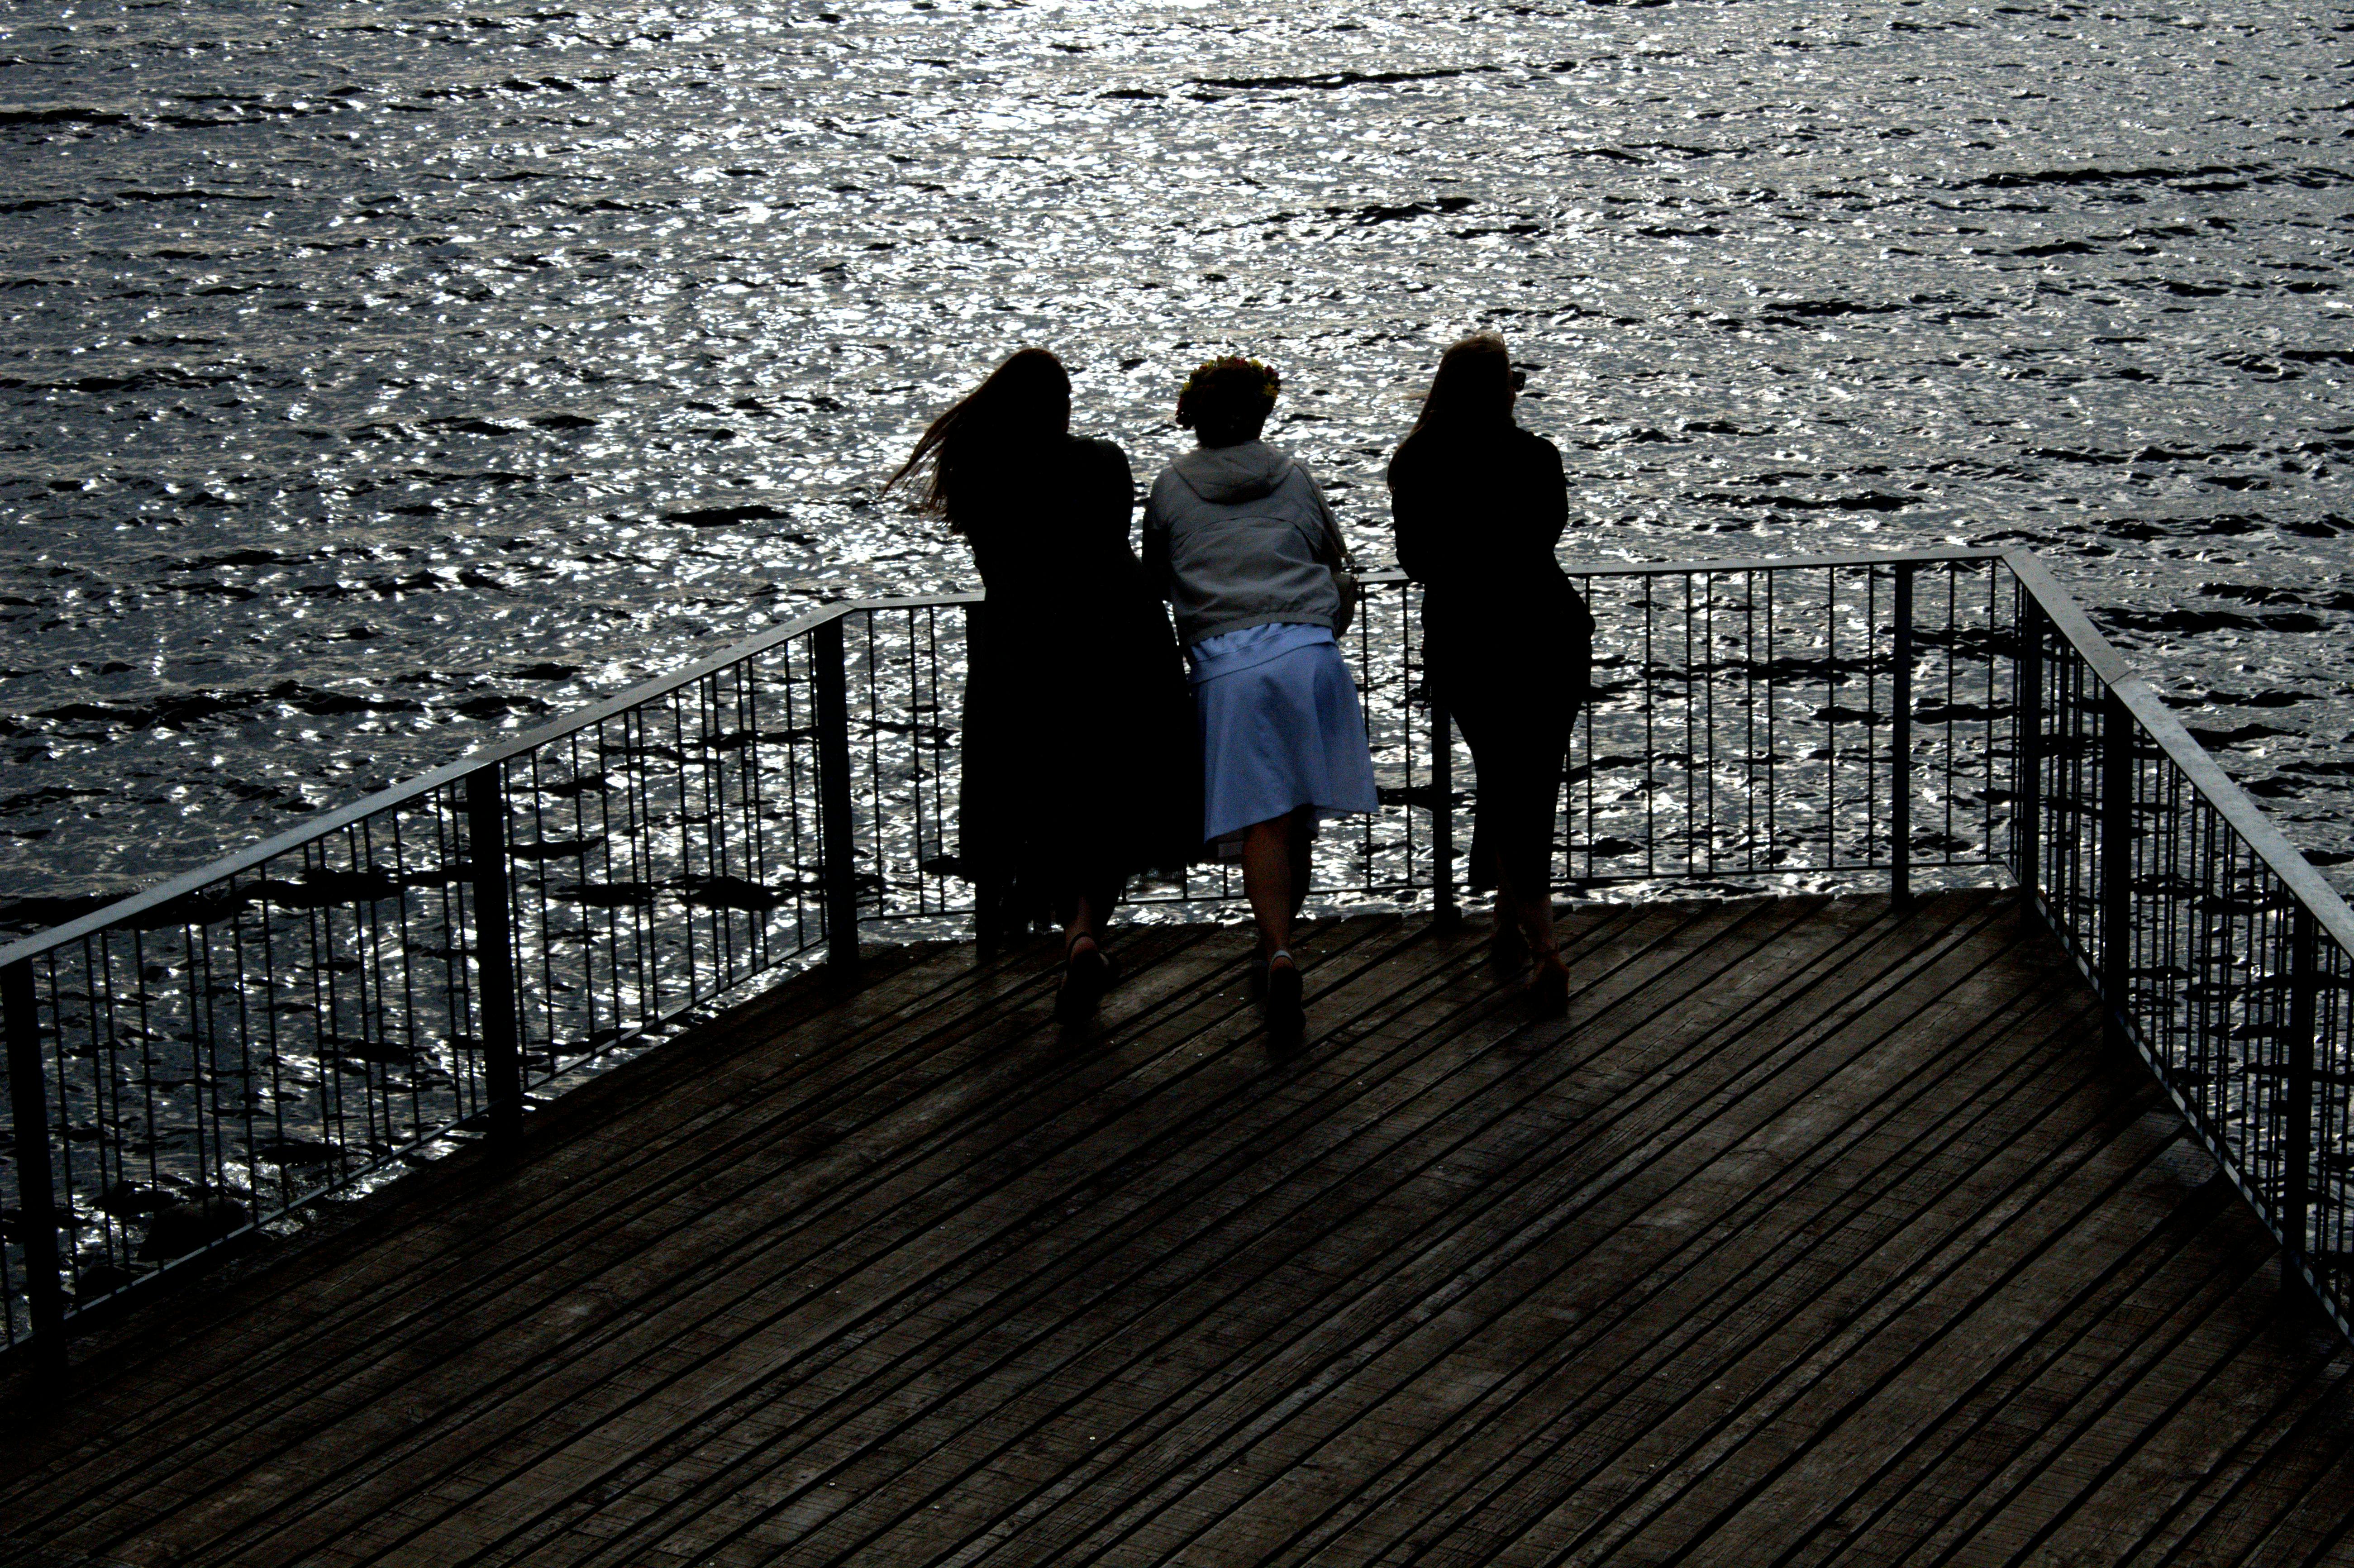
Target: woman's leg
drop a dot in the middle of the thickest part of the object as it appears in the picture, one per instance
(1086, 970)
(1518, 748)
(1303, 842)
(1275, 876)
(1090, 908)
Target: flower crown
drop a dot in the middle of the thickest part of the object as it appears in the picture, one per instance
(1270, 383)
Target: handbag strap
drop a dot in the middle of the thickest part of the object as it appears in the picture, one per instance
(1342, 561)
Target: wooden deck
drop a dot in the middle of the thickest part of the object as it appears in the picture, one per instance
(1818, 1232)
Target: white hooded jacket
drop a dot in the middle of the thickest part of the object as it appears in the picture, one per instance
(1239, 537)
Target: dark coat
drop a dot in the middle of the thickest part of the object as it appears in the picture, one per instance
(1079, 761)
(1476, 520)
(1508, 642)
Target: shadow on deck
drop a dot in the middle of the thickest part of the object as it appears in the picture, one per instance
(1817, 1232)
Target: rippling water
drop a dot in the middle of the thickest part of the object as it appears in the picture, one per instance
(374, 373)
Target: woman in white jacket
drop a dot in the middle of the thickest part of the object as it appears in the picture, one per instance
(1245, 548)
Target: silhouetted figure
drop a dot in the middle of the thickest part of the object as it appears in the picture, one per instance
(1479, 504)
(1078, 761)
(1239, 538)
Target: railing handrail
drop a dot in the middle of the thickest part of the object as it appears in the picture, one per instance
(133, 905)
(2098, 860)
(2149, 710)
(2066, 616)
(252, 855)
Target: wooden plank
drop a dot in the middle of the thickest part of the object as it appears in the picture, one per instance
(1206, 1074)
(1812, 1235)
(2021, 1423)
(1689, 1005)
(2108, 1478)
(2310, 1416)
(156, 1388)
(652, 1256)
(1848, 1342)
(1709, 1267)
(910, 1347)
(692, 1157)
(2290, 1503)
(1357, 1075)
(2007, 1410)
(1329, 1399)
(1726, 1329)
(700, 1331)
(1256, 1074)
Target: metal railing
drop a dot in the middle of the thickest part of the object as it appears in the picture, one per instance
(2225, 958)
(304, 1020)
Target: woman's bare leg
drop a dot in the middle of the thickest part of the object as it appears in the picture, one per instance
(1088, 912)
(1270, 862)
(1086, 970)
(1303, 841)
(1274, 875)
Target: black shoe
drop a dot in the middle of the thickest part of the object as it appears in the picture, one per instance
(1087, 974)
(1549, 987)
(1285, 1012)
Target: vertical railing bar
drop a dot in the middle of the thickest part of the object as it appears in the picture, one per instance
(874, 767)
(641, 849)
(1996, 571)
(2116, 866)
(1650, 696)
(2027, 749)
(677, 706)
(411, 1042)
(2297, 1158)
(1708, 722)
(755, 833)
(1773, 819)
(1899, 745)
(486, 850)
(554, 1032)
(1442, 808)
(1830, 707)
(1953, 648)
(1870, 715)
(1749, 720)
(35, 1189)
(833, 698)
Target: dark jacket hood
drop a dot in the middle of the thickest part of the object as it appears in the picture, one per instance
(1224, 476)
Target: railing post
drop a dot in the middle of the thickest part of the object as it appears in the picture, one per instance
(1900, 764)
(2297, 1156)
(832, 689)
(989, 892)
(1443, 907)
(28, 1103)
(2027, 805)
(2116, 862)
(486, 849)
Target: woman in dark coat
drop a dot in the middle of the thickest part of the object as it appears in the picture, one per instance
(1479, 504)
(1077, 713)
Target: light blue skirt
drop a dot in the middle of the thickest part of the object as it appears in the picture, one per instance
(1281, 735)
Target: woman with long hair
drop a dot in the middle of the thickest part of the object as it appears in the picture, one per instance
(1074, 754)
(1479, 504)
(1239, 540)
